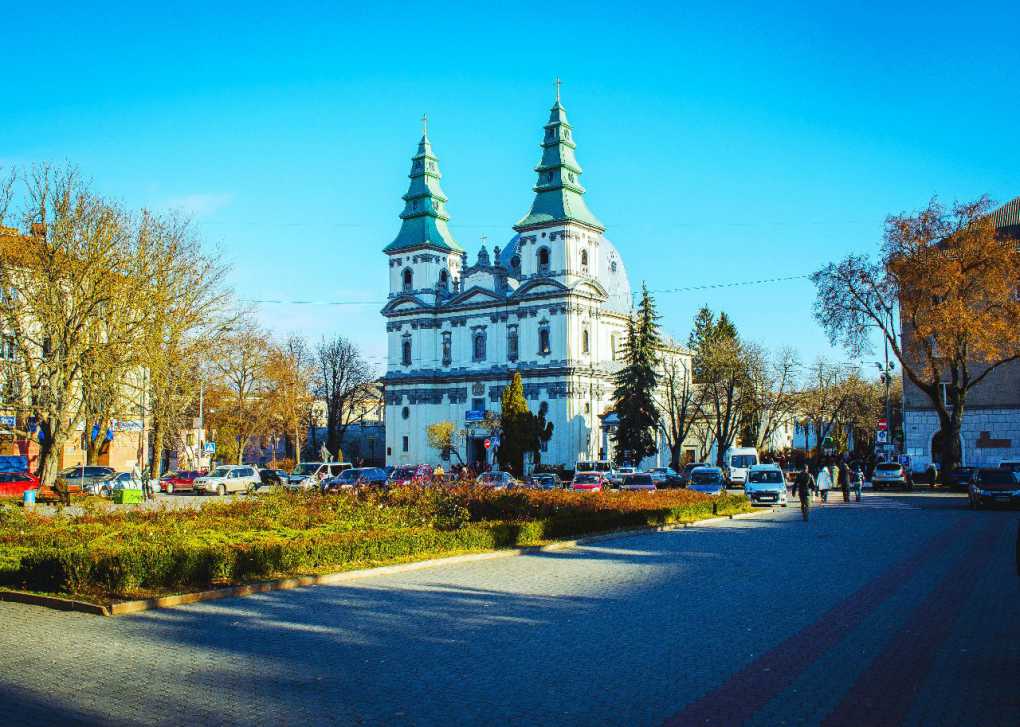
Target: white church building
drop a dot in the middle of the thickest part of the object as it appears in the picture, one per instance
(551, 303)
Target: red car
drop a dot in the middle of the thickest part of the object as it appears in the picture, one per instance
(13, 484)
(179, 482)
(409, 474)
(589, 482)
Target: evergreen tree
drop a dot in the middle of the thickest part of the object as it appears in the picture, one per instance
(636, 383)
(523, 431)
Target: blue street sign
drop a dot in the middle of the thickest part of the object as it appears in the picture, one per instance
(209, 448)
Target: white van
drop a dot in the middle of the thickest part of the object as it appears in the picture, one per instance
(737, 461)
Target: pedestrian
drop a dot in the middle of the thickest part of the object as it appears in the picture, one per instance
(858, 481)
(844, 480)
(933, 474)
(803, 484)
(824, 482)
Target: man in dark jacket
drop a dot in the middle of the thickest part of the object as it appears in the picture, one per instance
(803, 483)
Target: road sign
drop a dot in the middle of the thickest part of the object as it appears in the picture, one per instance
(495, 441)
(883, 424)
(488, 443)
(881, 436)
(209, 448)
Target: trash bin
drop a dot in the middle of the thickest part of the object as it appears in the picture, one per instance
(29, 498)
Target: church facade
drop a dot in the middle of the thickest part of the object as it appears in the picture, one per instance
(552, 303)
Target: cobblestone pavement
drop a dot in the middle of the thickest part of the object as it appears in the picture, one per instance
(900, 610)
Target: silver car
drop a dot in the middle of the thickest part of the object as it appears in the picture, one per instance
(766, 485)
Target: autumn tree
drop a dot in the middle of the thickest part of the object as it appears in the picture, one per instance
(446, 438)
(636, 384)
(944, 278)
(346, 382)
(289, 373)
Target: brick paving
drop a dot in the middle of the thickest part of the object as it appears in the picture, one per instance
(901, 610)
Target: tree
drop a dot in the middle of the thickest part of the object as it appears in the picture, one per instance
(721, 371)
(679, 403)
(636, 385)
(346, 382)
(522, 432)
(445, 437)
(768, 398)
(289, 372)
(949, 280)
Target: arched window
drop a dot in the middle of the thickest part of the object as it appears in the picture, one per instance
(405, 351)
(478, 348)
(444, 279)
(544, 347)
(447, 350)
(543, 260)
(512, 342)
(612, 346)
(585, 348)
(408, 280)
(584, 260)
(515, 263)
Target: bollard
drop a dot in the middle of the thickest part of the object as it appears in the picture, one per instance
(29, 499)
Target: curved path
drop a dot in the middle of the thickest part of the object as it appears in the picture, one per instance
(899, 610)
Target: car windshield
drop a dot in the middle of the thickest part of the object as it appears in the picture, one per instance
(350, 475)
(706, 477)
(220, 472)
(639, 480)
(768, 477)
(693, 466)
(998, 477)
(743, 460)
(887, 467)
(586, 479)
(1011, 466)
(308, 468)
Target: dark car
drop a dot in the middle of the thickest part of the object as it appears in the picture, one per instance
(959, 477)
(994, 487)
(271, 477)
(356, 477)
(638, 482)
(77, 478)
(407, 474)
(547, 481)
(685, 473)
(708, 480)
(665, 477)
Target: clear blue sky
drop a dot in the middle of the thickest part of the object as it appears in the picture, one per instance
(720, 141)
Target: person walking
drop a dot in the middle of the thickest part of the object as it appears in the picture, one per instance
(858, 481)
(824, 482)
(803, 484)
(844, 480)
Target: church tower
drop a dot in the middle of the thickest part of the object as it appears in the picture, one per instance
(560, 234)
(425, 260)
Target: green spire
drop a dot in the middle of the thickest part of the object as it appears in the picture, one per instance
(424, 216)
(558, 192)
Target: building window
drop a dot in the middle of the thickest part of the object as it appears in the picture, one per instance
(405, 412)
(408, 280)
(612, 346)
(515, 263)
(944, 393)
(543, 340)
(444, 280)
(511, 344)
(447, 350)
(406, 444)
(478, 346)
(543, 260)
(585, 348)
(405, 351)
(584, 261)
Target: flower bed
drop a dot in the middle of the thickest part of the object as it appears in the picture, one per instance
(105, 555)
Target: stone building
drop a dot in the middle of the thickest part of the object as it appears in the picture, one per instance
(991, 422)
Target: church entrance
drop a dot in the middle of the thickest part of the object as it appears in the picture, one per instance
(475, 452)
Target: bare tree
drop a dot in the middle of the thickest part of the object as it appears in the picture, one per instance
(679, 403)
(346, 382)
(768, 398)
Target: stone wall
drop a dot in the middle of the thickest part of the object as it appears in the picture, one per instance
(989, 436)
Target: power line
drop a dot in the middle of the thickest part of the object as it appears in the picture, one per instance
(707, 286)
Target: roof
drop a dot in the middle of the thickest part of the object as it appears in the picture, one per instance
(1007, 218)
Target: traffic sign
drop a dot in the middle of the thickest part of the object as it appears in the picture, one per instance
(210, 448)
(881, 436)
(488, 443)
(883, 424)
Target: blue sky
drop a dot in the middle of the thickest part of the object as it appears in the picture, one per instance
(720, 141)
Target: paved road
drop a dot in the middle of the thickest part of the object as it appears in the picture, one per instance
(900, 610)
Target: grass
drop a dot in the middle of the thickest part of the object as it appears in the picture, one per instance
(106, 555)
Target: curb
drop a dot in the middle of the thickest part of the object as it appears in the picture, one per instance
(282, 584)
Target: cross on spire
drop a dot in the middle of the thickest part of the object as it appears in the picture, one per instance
(425, 124)
(485, 239)
(558, 84)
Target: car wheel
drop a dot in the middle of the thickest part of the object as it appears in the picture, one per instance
(221, 490)
(169, 489)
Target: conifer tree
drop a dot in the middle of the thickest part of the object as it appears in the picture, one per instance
(523, 431)
(636, 384)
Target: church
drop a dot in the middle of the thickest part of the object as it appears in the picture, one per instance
(551, 303)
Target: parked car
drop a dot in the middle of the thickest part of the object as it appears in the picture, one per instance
(738, 460)
(497, 480)
(766, 485)
(638, 482)
(310, 475)
(889, 474)
(179, 481)
(960, 477)
(709, 480)
(998, 486)
(665, 477)
(589, 482)
(14, 484)
(411, 474)
(227, 478)
(685, 473)
(621, 473)
(358, 476)
(78, 478)
(545, 481)
(118, 481)
(1010, 464)
(270, 477)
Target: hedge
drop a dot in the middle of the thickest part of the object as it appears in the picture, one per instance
(121, 569)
